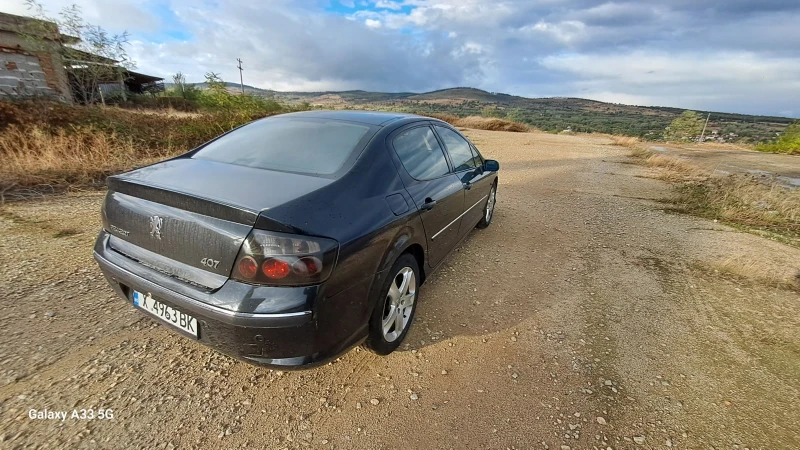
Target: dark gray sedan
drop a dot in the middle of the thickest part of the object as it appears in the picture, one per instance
(291, 239)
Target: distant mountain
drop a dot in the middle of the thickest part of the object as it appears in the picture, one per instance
(465, 93)
(549, 114)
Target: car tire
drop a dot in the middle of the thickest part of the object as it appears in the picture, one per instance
(488, 209)
(399, 295)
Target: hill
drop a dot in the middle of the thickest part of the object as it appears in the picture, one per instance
(550, 114)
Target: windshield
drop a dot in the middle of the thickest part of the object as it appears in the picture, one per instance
(313, 146)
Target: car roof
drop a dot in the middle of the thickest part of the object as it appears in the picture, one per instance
(365, 117)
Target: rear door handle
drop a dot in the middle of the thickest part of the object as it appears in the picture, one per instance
(428, 205)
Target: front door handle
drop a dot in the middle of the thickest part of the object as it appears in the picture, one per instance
(428, 205)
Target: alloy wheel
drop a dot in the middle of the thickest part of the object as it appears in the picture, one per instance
(490, 204)
(399, 304)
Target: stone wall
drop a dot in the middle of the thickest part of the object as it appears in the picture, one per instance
(21, 73)
(30, 67)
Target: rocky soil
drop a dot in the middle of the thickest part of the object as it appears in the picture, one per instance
(585, 317)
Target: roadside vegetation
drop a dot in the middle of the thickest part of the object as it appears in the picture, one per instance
(765, 207)
(51, 147)
(788, 142)
(685, 128)
(483, 123)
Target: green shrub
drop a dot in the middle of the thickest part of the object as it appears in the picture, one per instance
(685, 127)
(788, 142)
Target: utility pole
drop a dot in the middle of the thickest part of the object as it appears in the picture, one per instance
(703, 134)
(241, 79)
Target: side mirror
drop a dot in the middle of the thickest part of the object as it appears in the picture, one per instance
(491, 165)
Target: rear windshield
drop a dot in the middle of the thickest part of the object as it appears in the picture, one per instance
(313, 146)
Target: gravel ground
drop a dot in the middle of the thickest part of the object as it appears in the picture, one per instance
(584, 317)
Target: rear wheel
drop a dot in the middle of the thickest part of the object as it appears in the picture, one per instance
(396, 306)
(488, 210)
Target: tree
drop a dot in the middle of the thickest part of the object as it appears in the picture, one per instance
(183, 89)
(96, 58)
(179, 83)
(685, 127)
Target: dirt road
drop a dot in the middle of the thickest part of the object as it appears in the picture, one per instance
(584, 317)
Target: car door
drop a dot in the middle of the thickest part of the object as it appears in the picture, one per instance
(436, 191)
(468, 167)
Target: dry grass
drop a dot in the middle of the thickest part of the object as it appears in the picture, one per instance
(766, 272)
(676, 168)
(482, 123)
(735, 199)
(626, 141)
(491, 124)
(48, 147)
(641, 152)
(742, 200)
(33, 156)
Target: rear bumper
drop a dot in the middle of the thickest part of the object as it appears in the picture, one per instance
(226, 317)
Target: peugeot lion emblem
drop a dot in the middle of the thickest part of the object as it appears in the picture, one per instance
(155, 226)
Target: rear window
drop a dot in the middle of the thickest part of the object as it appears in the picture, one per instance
(313, 146)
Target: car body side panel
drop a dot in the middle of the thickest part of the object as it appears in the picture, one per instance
(480, 183)
(344, 314)
(443, 220)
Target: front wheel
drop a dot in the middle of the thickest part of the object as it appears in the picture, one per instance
(488, 210)
(394, 310)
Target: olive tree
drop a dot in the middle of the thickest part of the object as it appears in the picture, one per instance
(685, 127)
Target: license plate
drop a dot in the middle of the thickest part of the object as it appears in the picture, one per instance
(172, 316)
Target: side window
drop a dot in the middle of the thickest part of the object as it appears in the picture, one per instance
(476, 156)
(420, 153)
(458, 148)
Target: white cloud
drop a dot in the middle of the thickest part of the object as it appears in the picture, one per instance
(736, 55)
(388, 4)
(660, 68)
(115, 16)
(566, 32)
(736, 81)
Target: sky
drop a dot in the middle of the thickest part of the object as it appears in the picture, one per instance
(724, 55)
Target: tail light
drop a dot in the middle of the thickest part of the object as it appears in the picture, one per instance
(268, 257)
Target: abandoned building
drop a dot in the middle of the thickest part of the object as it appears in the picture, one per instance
(32, 63)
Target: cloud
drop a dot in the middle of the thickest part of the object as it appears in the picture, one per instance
(567, 32)
(724, 80)
(388, 4)
(287, 48)
(737, 55)
(117, 15)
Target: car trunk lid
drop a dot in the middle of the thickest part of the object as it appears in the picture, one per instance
(183, 217)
